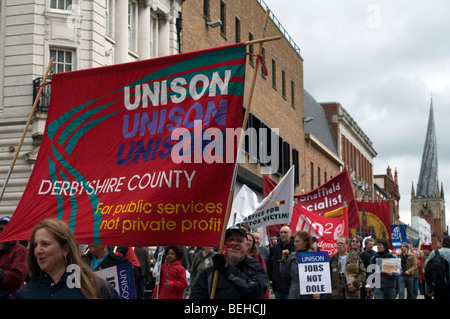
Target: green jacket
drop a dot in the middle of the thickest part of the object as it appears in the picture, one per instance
(353, 261)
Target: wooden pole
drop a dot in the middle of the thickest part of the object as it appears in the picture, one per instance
(36, 101)
(277, 37)
(241, 139)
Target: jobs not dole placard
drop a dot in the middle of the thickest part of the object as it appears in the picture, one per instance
(314, 272)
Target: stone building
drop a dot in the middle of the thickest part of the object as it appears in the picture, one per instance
(386, 188)
(280, 101)
(355, 149)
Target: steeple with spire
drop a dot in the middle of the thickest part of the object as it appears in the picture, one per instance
(428, 201)
(428, 185)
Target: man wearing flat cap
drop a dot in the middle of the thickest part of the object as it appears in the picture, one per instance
(240, 277)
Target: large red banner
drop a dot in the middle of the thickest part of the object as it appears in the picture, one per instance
(375, 218)
(140, 153)
(327, 197)
(325, 229)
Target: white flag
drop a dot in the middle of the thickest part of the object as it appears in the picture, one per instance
(277, 207)
(244, 204)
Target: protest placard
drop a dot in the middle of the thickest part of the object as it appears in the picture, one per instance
(121, 278)
(314, 272)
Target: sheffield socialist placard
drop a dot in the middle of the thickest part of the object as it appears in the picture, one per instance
(139, 153)
(329, 196)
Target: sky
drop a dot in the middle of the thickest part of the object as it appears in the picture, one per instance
(382, 60)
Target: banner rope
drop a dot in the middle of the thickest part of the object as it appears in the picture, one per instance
(260, 58)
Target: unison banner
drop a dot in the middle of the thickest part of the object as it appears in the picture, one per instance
(139, 153)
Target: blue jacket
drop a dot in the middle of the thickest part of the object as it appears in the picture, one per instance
(46, 288)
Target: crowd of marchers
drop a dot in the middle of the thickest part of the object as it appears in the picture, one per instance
(242, 269)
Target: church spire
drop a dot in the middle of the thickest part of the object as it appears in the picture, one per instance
(428, 178)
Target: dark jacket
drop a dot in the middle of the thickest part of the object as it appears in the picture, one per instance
(13, 268)
(386, 281)
(246, 280)
(46, 288)
(279, 283)
(289, 269)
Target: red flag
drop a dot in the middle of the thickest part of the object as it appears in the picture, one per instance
(132, 153)
(325, 229)
(375, 218)
(328, 196)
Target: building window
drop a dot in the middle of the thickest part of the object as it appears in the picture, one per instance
(292, 94)
(223, 18)
(286, 157)
(132, 20)
(263, 52)
(237, 23)
(319, 182)
(251, 58)
(109, 18)
(206, 9)
(60, 4)
(274, 74)
(295, 162)
(312, 175)
(62, 60)
(283, 84)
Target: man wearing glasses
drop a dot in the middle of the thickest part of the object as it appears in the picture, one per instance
(347, 272)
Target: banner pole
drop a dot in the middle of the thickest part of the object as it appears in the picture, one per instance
(30, 116)
(241, 139)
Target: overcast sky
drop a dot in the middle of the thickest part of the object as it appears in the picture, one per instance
(380, 60)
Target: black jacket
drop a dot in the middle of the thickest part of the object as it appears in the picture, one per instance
(386, 280)
(45, 288)
(279, 282)
(246, 280)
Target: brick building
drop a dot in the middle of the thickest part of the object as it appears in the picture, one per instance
(322, 157)
(386, 188)
(277, 104)
(354, 147)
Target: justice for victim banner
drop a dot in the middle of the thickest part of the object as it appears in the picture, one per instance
(275, 208)
(139, 153)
